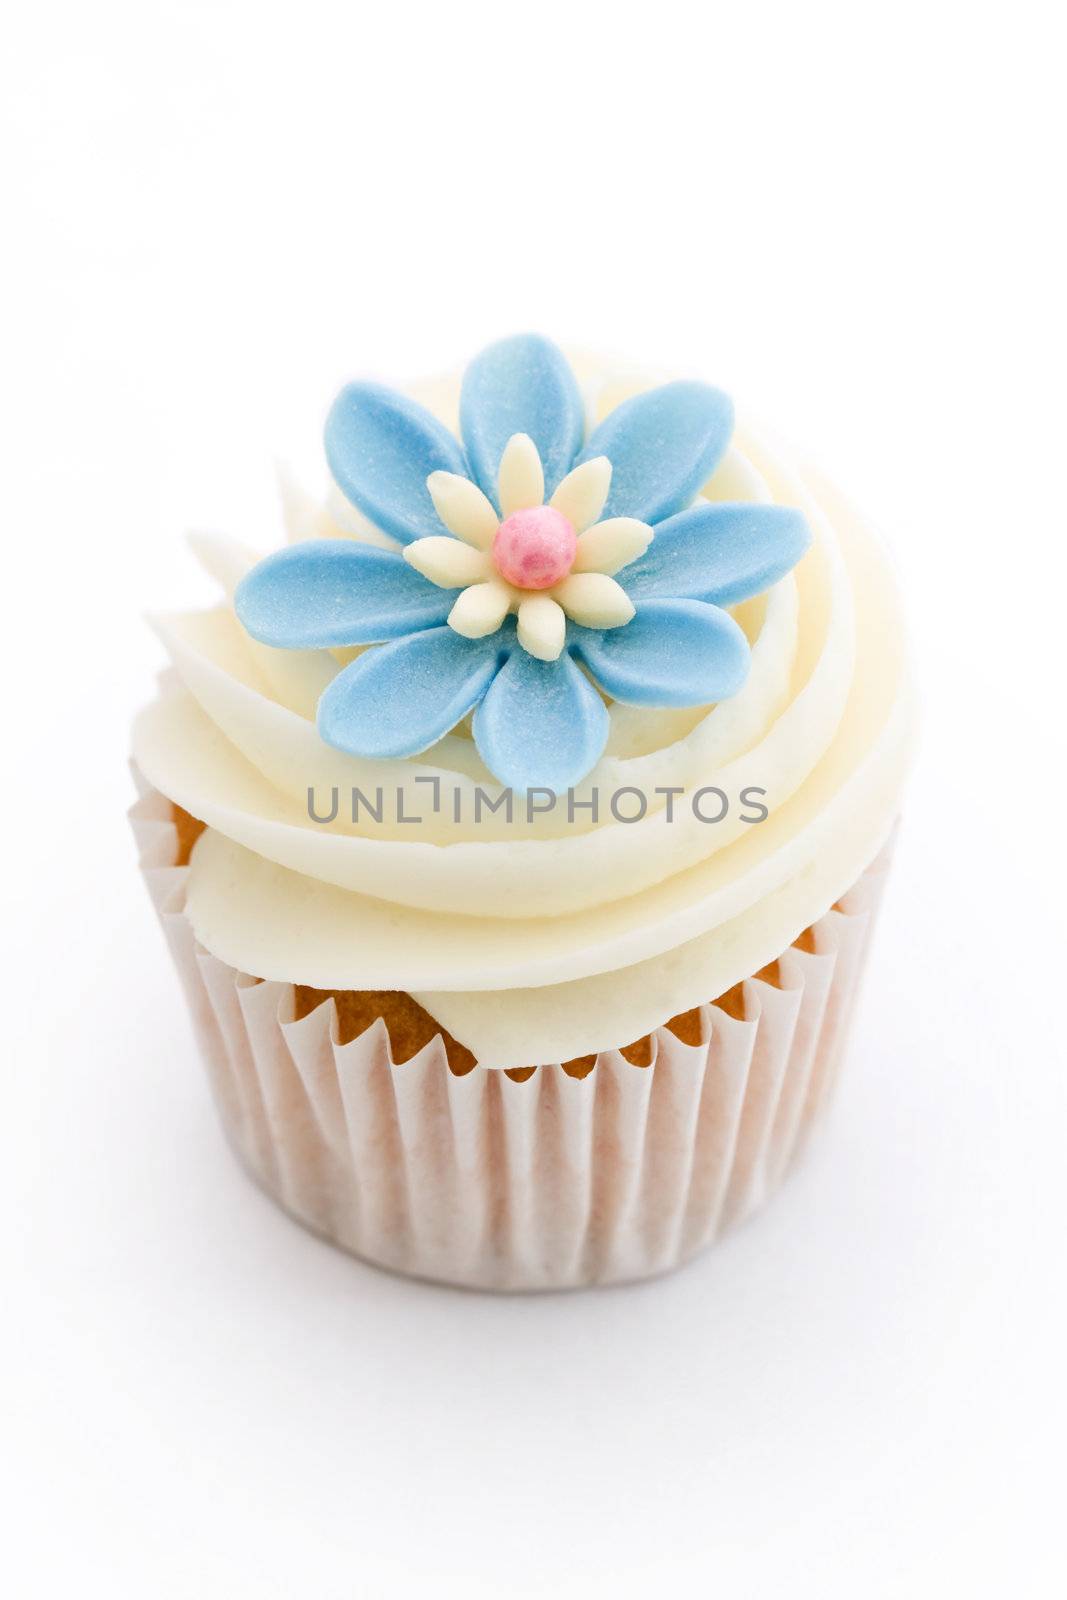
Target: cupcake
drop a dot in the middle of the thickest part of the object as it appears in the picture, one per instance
(518, 827)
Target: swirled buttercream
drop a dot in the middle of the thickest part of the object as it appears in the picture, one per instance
(563, 931)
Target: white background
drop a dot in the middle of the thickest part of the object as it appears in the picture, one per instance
(851, 218)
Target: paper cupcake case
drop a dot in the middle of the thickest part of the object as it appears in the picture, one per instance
(547, 1181)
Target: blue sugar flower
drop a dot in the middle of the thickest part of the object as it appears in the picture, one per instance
(525, 551)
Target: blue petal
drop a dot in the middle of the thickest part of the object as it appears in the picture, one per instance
(381, 448)
(334, 592)
(403, 697)
(673, 653)
(720, 553)
(663, 446)
(542, 724)
(521, 385)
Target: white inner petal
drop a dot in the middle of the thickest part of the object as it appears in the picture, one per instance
(610, 546)
(583, 492)
(521, 479)
(449, 563)
(463, 508)
(480, 609)
(542, 626)
(594, 600)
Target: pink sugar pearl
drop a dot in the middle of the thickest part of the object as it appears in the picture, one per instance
(535, 549)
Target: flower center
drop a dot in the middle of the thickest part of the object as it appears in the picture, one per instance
(535, 549)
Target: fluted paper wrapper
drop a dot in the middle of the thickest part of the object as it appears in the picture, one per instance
(552, 1182)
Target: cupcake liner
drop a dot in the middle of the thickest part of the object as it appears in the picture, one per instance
(546, 1181)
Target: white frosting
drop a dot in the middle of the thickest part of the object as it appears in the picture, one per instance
(548, 938)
